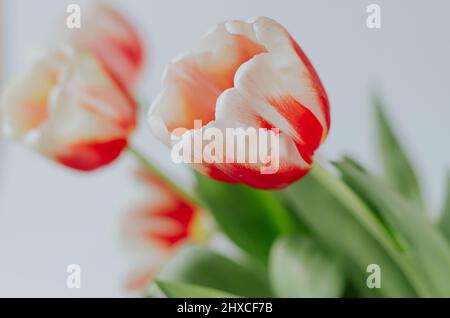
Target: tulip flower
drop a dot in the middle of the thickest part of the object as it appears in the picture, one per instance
(113, 40)
(160, 225)
(69, 108)
(246, 75)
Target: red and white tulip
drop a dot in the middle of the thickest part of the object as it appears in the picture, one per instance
(247, 74)
(69, 108)
(108, 35)
(74, 104)
(159, 226)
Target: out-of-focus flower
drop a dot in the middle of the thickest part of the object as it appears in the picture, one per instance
(246, 74)
(159, 226)
(69, 108)
(108, 35)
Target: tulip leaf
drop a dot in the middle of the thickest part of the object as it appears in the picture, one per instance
(200, 266)
(352, 161)
(444, 222)
(355, 164)
(182, 290)
(299, 268)
(340, 220)
(251, 218)
(398, 170)
(425, 246)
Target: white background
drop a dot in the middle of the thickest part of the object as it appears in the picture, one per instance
(51, 217)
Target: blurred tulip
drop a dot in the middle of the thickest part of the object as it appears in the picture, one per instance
(247, 74)
(70, 109)
(108, 35)
(159, 226)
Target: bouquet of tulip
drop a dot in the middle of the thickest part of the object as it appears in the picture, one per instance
(243, 229)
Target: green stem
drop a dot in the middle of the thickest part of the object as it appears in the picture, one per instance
(157, 172)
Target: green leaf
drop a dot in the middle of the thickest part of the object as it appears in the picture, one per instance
(352, 162)
(444, 222)
(251, 218)
(344, 223)
(299, 268)
(182, 290)
(425, 246)
(203, 267)
(398, 170)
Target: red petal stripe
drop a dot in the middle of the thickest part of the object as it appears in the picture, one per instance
(87, 156)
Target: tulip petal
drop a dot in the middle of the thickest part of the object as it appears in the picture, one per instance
(225, 166)
(25, 101)
(113, 40)
(193, 82)
(141, 278)
(164, 222)
(273, 101)
(88, 106)
(296, 72)
(89, 155)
